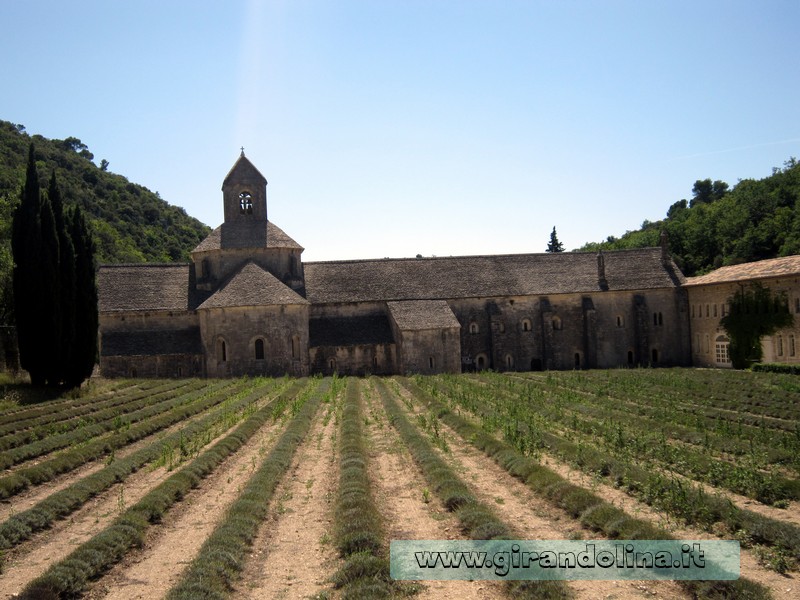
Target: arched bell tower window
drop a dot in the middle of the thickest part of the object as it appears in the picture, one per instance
(245, 203)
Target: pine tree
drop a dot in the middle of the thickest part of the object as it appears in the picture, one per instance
(554, 245)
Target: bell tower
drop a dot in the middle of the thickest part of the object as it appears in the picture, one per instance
(244, 193)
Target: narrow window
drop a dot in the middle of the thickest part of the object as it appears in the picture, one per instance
(655, 318)
(797, 305)
(473, 327)
(577, 360)
(715, 310)
(620, 321)
(780, 345)
(708, 311)
(133, 372)
(654, 355)
(332, 364)
(295, 347)
(557, 323)
(180, 371)
(259, 349)
(481, 362)
(630, 357)
(431, 362)
(222, 351)
(791, 346)
(509, 361)
(501, 327)
(526, 325)
(707, 343)
(375, 361)
(660, 319)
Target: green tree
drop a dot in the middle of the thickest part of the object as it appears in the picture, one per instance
(755, 312)
(86, 319)
(554, 245)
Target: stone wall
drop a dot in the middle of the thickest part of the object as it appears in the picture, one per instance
(360, 359)
(230, 338)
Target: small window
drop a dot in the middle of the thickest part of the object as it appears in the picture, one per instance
(295, 347)
(133, 371)
(332, 364)
(655, 318)
(245, 203)
(715, 310)
(374, 361)
(708, 310)
(501, 327)
(510, 360)
(526, 324)
(577, 358)
(473, 327)
(791, 346)
(431, 362)
(780, 345)
(557, 323)
(630, 357)
(707, 343)
(620, 321)
(480, 362)
(222, 351)
(259, 349)
(654, 355)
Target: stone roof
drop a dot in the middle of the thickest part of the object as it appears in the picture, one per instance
(143, 287)
(258, 234)
(486, 276)
(774, 267)
(244, 169)
(416, 315)
(151, 343)
(252, 286)
(349, 331)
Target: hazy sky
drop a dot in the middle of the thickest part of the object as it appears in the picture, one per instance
(391, 128)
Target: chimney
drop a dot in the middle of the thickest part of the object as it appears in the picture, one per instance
(601, 271)
(664, 243)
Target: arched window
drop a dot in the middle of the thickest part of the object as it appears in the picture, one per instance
(332, 364)
(222, 350)
(473, 327)
(780, 345)
(510, 361)
(259, 349)
(375, 361)
(791, 345)
(620, 321)
(557, 323)
(480, 362)
(526, 324)
(501, 327)
(245, 203)
(722, 350)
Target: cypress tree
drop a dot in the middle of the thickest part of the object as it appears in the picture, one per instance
(65, 309)
(554, 245)
(85, 351)
(25, 246)
(50, 280)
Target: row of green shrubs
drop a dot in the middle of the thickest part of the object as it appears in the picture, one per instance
(18, 412)
(73, 458)
(51, 416)
(69, 577)
(21, 526)
(111, 419)
(221, 558)
(592, 511)
(359, 534)
(776, 368)
(478, 521)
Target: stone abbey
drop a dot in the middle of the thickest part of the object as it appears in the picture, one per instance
(247, 304)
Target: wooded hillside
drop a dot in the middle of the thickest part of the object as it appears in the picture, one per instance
(129, 223)
(719, 226)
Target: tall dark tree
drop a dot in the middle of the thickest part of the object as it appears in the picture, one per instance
(55, 293)
(755, 312)
(65, 307)
(554, 245)
(25, 247)
(85, 351)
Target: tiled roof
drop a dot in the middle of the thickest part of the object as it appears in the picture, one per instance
(773, 267)
(151, 343)
(485, 276)
(422, 314)
(143, 287)
(247, 235)
(349, 331)
(253, 286)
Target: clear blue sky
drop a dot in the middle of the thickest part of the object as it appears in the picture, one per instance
(391, 128)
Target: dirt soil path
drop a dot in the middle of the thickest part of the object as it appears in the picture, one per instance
(782, 586)
(399, 487)
(533, 518)
(31, 558)
(292, 556)
(169, 548)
